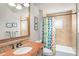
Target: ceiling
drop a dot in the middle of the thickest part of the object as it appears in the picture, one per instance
(55, 7)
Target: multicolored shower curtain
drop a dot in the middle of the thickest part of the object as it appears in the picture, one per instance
(53, 35)
(49, 33)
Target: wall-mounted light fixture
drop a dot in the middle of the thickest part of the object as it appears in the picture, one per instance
(19, 5)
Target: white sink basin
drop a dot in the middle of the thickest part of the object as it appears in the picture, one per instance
(22, 50)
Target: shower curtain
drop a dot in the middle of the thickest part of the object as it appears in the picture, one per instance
(49, 33)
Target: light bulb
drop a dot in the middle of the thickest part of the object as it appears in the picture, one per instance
(26, 4)
(18, 6)
(12, 4)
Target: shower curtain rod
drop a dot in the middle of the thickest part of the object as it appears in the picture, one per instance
(61, 14)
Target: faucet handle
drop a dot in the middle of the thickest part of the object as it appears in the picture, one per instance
(18, 44)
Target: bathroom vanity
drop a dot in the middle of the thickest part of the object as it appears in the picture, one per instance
(36, 48)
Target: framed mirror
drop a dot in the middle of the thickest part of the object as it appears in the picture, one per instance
(15, 21)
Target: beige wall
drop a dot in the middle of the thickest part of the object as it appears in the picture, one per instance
(74, 32)
(34, 11)
(67, 35)
(64, 34)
